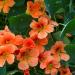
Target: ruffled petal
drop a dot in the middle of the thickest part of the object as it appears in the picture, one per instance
(42, 35)
(23, 65)
(2, 61)
(10, 59)
(33, 61)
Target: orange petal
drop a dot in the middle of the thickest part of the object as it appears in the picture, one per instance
(11, 3)
(54, 23)
(43, 20)
(33, 24)
(32, 61)
(34, 52)
(2, 61)
(18, 40)
(43, 65)
(33, 33)
(10, 59)
(1, 40)
(1, 5)
(49, 28)
(36, 14)
(23, 65)
(6, 9)
(10, 48)
(42, 35)
(65, 57)
(54, 71)
(40, 48)
(43, 41)
(47, 71)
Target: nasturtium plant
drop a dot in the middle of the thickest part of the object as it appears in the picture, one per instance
(37, 37)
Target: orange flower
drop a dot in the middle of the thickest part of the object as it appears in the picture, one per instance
(6, 36)
(44, 59)
(28, 43)
(58, 49)
(40, 43)
(52, 67)
(6, 54)
(42, 27)
(28, 55)
(35, 9)
(65, 71)
(5, 5)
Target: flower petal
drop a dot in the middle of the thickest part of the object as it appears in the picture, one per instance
(23, 65)
(33, 61)
(2, 61)
(6, 9)
(65, 57)
(42, 35)
(10, 59)
(49, 28)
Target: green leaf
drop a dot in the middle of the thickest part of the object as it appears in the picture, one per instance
(57, 37)
(52, 6)
(19, 2)
(70, 49)
(3, 70)
(68, 28)
(16, 10)
(20, 24)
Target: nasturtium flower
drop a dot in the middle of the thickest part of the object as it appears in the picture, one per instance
(6, 36)
(35, 9)
(42, 27)
(64, 70)
(7, 54)
(44, 59)
(5, 5)
(58, 49)
(52, 67)
(40, 43)
(28, 55)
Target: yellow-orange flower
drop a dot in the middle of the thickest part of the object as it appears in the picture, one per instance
(58, 50)
(6, 36)
(28, 55)
(5, 5)
(6, 54)
(52, 67)
(40, 43)
(44, 59)
(42, 27)
(35, 9)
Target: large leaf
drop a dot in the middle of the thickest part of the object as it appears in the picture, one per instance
(20, 24)
(71, 51)
(69, 28)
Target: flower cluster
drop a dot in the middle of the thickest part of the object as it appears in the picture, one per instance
(29, 51)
